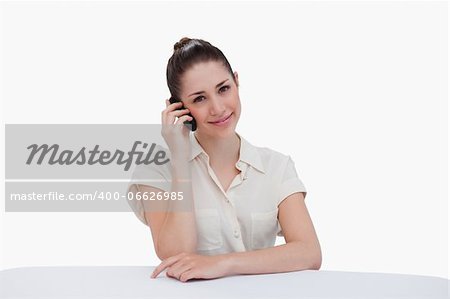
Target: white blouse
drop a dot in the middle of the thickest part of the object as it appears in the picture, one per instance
(242, 218)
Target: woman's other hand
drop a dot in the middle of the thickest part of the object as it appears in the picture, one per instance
(185, 266)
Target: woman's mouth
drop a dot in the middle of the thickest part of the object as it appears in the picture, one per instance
(223, 121)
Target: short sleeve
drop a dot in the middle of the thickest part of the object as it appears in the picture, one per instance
(290, 184)
(157, 176)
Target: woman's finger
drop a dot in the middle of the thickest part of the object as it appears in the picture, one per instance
(183, 118)
(175, 105)
(170, 119)
(185, 276)
(171, 108)
(164, 264)
(179, 268)
(179, 113)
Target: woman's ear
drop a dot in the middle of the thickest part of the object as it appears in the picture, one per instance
(236, 79)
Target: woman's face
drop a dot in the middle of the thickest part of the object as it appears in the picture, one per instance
(212, 97)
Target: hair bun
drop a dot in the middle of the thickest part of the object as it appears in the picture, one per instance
(179, 45)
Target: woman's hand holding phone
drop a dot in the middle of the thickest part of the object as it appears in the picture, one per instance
(174, 132)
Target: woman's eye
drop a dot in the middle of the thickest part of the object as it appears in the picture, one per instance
(226, 88)
(198, 99)
(222, 89)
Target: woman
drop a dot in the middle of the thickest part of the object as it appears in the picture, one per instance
(240, 196)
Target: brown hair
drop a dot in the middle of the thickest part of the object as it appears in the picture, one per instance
(186, 53)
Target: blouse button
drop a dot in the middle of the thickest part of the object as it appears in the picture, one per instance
(236, 234)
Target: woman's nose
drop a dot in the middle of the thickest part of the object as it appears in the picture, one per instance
(216, 106)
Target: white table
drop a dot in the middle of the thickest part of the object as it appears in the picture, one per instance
(134, 282)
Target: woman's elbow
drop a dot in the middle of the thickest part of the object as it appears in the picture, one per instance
(317, 263)
(314, 256)
(316, 260)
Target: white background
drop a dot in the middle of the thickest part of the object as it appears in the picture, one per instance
(355, 92)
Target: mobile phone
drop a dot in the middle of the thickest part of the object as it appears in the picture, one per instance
(191, 124)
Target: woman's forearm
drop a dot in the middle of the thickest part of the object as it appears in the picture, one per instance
(178, 232)
(293, 256)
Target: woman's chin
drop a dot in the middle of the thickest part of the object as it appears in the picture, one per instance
(214, 133)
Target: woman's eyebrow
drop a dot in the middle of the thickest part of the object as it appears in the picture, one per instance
(199, 92)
